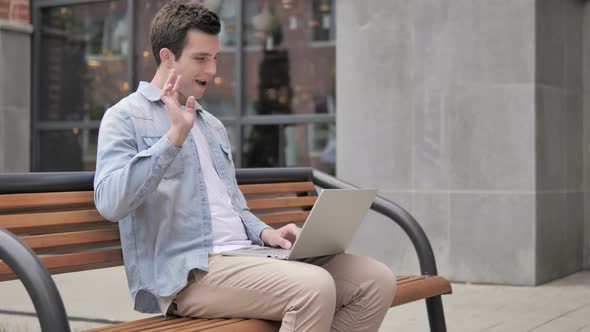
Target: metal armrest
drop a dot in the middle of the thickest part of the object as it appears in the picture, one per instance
(37, 281)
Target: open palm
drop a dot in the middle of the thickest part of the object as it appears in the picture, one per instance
(178, 118)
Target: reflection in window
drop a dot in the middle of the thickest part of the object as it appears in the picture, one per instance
(83, 63)
(284, 73)
(68, 150)
(287, 75)
(288, 69)
(108, 35)
(322, 24)
(227, 10)
(296, 145)
(83, 72)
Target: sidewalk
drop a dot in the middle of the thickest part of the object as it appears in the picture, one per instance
(95, 298)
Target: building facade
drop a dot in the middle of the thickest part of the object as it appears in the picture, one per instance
(472, 114)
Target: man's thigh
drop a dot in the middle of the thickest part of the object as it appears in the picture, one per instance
(248, 287)
(351, 273)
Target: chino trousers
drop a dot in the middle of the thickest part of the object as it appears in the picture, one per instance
(331, 293)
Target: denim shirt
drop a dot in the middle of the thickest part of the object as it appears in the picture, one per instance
(157, 193)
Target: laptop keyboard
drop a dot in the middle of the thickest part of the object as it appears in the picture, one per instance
(271, 251)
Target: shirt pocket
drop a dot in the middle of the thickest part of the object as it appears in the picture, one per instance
(175, 168)
(227, 153)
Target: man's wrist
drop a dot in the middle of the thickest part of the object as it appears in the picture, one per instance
(263, 232)
(177, 136)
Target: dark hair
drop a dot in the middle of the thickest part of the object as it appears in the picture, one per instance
(174, 19)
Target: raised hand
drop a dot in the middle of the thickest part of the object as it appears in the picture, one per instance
(181, 121)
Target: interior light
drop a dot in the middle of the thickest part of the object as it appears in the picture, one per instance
(93, 63)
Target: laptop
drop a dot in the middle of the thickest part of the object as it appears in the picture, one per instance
(329, 228)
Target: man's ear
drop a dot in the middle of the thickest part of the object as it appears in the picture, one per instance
(167, 57)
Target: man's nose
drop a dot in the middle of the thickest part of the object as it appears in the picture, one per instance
(211, 69)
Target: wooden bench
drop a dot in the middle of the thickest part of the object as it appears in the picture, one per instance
(54, 215)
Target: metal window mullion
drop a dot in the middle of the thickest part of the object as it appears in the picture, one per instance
(35, 86)
(57, 3)
(280, 119)
(289, 119)
(282, 147)
(239, 79)
(59, 125)
(131, 46)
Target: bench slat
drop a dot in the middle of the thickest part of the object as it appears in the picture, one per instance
(78, 240)
(249, 325)
(190, 323)
(283, 218)
(159, 324)
(52, 222)
(170, 324)
(277, 188)
(49, 201)
(72, 262)
(208, 327)
(283, 202)
(420, 287)
(139, 322)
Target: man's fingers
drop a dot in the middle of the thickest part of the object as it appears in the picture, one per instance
(167, 88)
(297, 232)
(175, 89)
(190, 104)
(292, 232)
(171, 78)
(285, 244)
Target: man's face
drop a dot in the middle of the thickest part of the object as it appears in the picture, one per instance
(197, 63)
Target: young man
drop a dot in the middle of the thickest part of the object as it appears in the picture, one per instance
(165, 173)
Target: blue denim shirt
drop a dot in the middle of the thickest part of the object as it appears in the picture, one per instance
(157, 193)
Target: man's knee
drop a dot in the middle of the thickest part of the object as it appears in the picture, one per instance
(317, 287)
(383, 280)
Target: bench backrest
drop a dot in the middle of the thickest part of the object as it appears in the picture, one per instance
(68, 234)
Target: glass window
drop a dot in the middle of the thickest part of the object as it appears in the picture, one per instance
(83, 60)
(321, 23)
(290, 145)
(284, 74)
(289, 64)
(68, 150)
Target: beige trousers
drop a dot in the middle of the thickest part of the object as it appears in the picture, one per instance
(332, 293)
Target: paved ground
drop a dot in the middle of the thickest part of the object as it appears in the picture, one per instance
(560, 306)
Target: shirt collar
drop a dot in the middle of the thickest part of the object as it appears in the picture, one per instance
(152, 93)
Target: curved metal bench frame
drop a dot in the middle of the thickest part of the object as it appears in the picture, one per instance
(46, 298)
(37, 281)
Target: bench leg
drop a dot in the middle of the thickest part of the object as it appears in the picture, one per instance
(436, 315)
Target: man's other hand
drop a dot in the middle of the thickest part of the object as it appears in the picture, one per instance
(283, 237)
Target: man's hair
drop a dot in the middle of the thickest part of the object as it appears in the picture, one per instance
(174, 19)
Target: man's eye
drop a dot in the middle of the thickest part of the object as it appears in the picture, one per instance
(200, 59)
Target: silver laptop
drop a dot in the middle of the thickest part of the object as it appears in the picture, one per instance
(329, 228)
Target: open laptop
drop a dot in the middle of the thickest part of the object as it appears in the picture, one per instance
(329, 228)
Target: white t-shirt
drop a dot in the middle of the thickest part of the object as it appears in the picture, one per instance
(228, 230)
